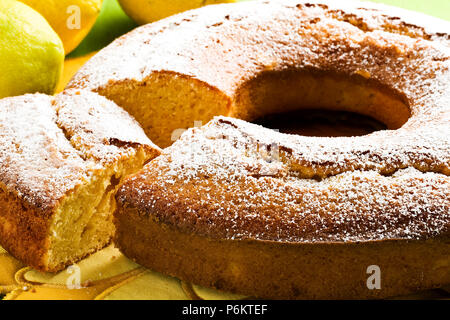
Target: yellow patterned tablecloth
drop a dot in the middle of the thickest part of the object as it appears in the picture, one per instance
(105, 275)
(108, 275)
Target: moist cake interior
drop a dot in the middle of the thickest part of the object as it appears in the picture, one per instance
(83, 223)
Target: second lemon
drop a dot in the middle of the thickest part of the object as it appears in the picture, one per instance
(71, 19)
(146, 11)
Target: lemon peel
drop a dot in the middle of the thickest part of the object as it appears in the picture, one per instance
(31, 53)
(71, 19)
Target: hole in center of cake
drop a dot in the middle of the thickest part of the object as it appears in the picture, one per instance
(321, 123)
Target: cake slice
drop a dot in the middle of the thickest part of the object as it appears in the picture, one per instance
(61, 161)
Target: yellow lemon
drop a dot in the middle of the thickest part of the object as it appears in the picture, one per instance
(71, 19)
(31, 53)
(145, 11)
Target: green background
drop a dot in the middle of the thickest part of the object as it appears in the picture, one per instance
(113, 22)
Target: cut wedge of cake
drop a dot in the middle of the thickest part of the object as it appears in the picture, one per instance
(61, 161)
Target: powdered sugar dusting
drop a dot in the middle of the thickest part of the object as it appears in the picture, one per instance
(50, 145)
(223, 181)
(98, 127)
(225, 45)
(37, 162)
(215, 181)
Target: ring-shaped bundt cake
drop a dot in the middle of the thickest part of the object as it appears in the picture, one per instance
(239, 207)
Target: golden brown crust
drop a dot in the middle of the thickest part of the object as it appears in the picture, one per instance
(23, 229)
(276, 270)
